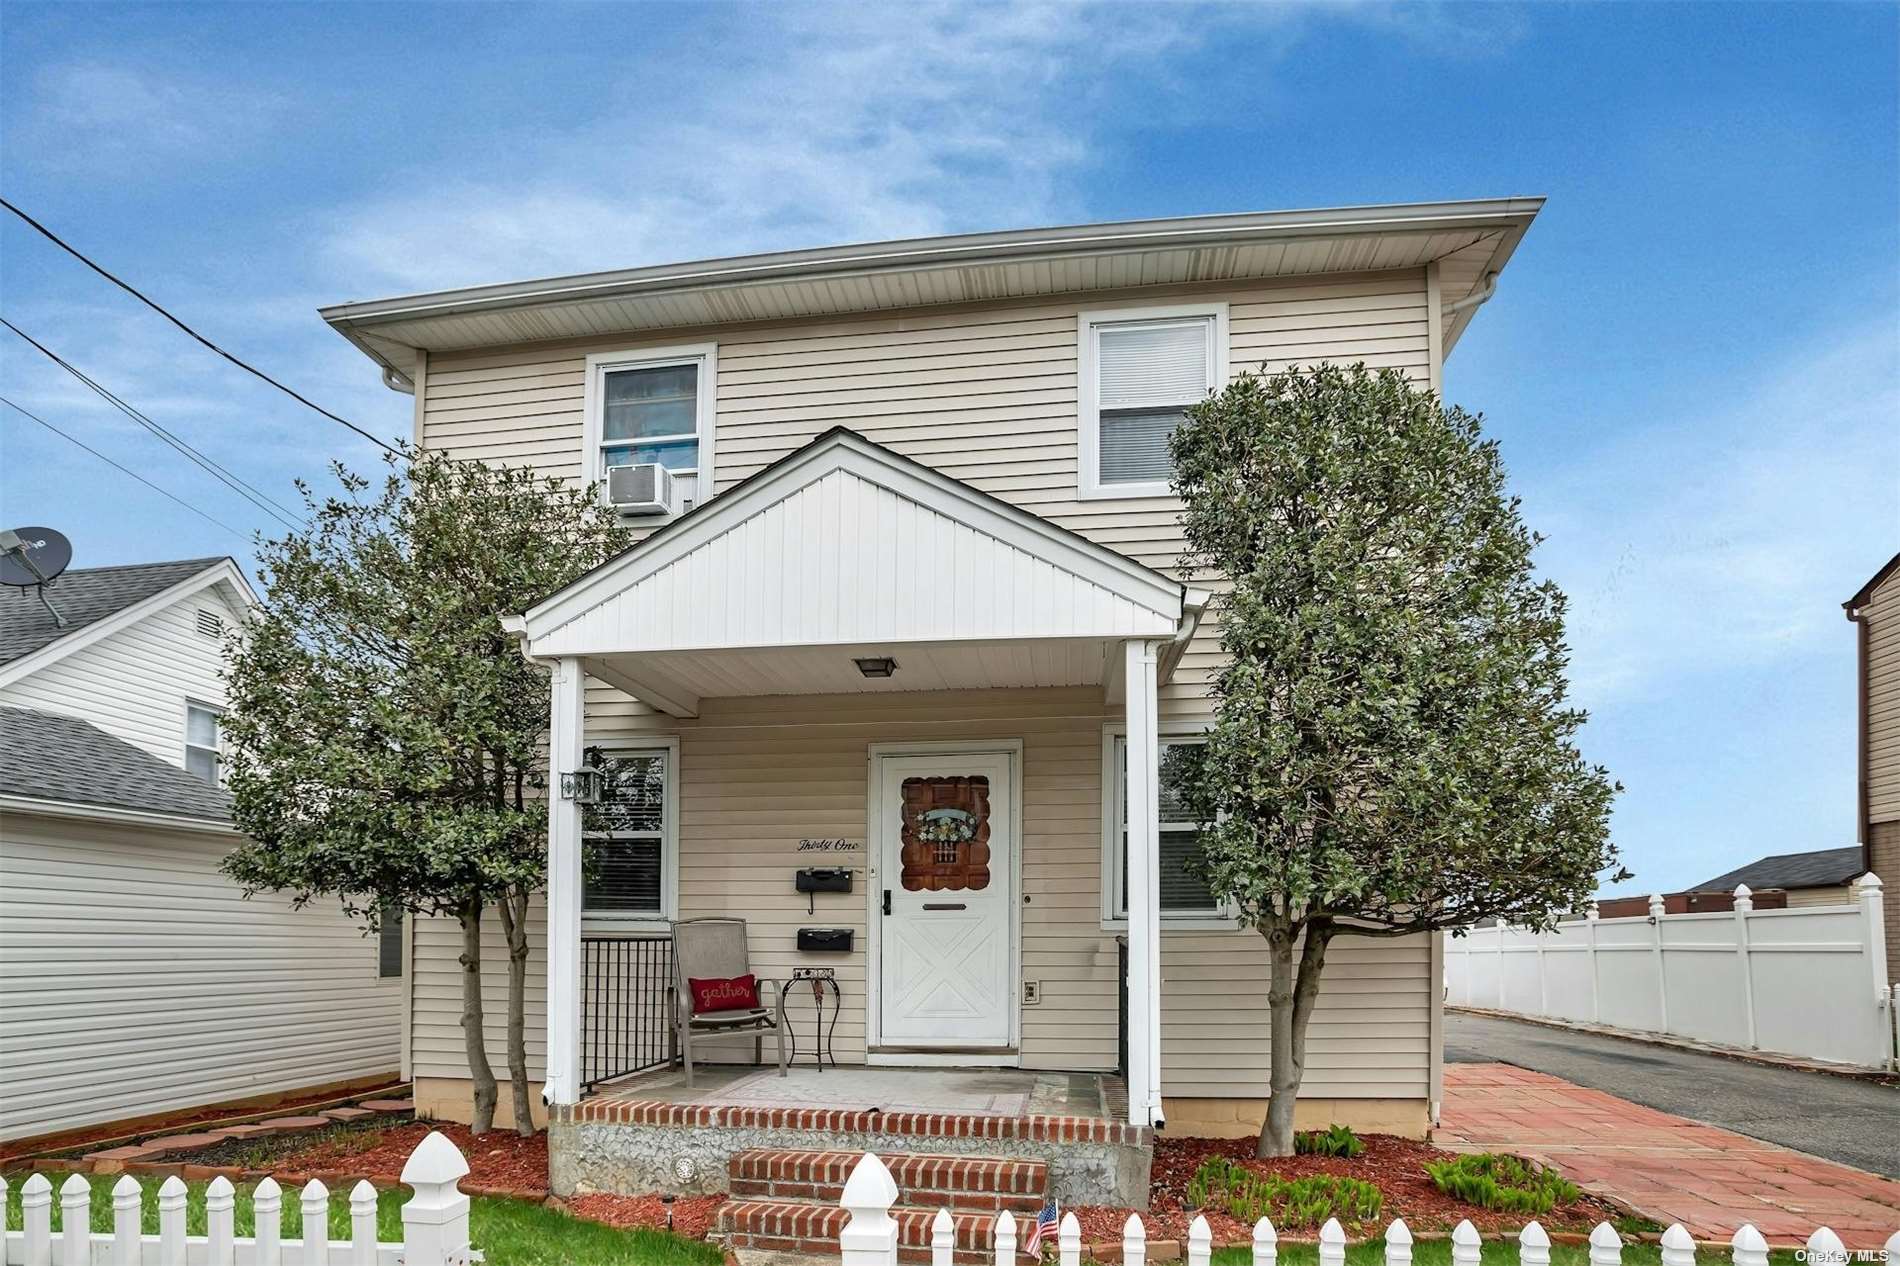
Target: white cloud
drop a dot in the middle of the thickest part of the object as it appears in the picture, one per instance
(1727, 542)
(822, 125)
(84, 115)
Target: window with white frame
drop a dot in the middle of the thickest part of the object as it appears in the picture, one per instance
(654, 405)
(203, 754)
(1140, 371)
(628, 837)
(1183, 894)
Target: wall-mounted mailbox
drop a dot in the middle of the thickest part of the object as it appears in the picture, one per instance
(824, 879)
(825, 940)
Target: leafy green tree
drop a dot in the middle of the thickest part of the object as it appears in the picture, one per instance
(384, 733)
(1392, 752)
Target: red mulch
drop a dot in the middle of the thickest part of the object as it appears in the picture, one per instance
(693, 1216)
(499, 1162)
(1396, 1166)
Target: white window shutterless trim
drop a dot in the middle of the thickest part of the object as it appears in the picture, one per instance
(594, 444)
(1157, 378)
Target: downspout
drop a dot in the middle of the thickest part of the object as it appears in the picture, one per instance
(1477, 299)
(1864, 808)
(397, 381)
(1193, 607)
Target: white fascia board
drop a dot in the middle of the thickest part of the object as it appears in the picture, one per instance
(853, 454)
(224, 572)
(107, 813)
(354, 318)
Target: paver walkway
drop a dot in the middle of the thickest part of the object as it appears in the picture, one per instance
(1668, 1167)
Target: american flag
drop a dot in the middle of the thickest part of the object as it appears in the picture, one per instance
(1045, 1229)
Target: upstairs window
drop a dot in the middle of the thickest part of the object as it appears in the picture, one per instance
(1140, 371)
(653, 406)
(202, 744)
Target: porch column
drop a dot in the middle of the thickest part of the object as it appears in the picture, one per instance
(1144, 884)
(565, 724)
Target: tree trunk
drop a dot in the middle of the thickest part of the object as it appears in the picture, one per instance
(514, 918)
(474, 1040)
(1291, 994)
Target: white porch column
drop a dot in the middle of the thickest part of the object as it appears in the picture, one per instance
(1144, 884)
(565, 724)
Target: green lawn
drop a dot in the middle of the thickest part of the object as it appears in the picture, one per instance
(509, 1232)
(1496, 1253)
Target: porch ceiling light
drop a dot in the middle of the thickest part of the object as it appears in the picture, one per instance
(879, 666)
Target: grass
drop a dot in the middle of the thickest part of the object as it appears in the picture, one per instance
(1495, 1253)
(509, 1232)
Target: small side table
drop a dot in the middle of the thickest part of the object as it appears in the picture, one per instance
(820, 980)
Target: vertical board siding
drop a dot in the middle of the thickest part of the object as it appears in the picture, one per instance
(133, 684)
(987, 395)
(135, 979)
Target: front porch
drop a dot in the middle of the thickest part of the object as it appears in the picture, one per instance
(745, 1130)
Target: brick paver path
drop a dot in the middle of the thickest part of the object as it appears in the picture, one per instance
(1668, 1167)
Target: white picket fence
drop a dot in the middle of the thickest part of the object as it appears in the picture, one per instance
(869, 1238)
(434, 1222)
(1808, 980)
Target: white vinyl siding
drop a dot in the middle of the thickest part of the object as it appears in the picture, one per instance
(136, 979)
(988, 394)
(136, 683)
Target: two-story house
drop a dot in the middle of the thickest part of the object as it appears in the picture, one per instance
(907, 604)
(135, 979)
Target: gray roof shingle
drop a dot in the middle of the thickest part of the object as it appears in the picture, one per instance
(1823, 868)
(84, 596)
(44, 756)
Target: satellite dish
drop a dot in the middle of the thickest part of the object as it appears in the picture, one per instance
(33, 556)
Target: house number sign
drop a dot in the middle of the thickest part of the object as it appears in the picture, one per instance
(829, 846)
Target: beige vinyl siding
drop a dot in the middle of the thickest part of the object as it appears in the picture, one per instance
(135, 979)
(436, 1042)
(1882, 614)
(986, 394)
(133, 683)
(1836, 895)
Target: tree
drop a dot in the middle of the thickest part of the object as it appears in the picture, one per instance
(383, 732)
(1391, 752)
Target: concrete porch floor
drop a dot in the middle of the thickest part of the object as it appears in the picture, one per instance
(1004, 1092)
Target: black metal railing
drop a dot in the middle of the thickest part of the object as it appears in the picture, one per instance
(626, 1005)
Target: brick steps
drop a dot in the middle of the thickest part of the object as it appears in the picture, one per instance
(786, 1200)
(782, 1226)
(976, 1184)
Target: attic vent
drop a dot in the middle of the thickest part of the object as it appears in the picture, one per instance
(209, 624)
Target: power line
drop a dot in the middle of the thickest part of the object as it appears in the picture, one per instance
(246, 366)
(123, 469)
(256, 497)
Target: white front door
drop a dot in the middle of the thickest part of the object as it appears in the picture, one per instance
(946, 861)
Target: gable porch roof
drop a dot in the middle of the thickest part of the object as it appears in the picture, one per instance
(846, 549)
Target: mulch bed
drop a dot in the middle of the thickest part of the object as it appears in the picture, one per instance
(693, 1216)
(1396, 1166)
(500, 1162)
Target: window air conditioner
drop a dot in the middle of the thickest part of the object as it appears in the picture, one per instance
(645, 488)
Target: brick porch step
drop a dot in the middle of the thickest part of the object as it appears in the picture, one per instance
(789, 1226)
(974, 1184)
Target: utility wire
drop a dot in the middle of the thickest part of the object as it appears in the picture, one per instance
(246, 366)
(257, 498)
(124, 469)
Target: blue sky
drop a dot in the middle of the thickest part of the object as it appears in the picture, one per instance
(1693, 363)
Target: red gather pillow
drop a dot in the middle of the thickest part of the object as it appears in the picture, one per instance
(737, 993)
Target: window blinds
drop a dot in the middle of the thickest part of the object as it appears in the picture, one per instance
(1147, 375)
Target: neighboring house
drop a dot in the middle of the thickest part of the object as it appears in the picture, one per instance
(930, 568)
(1823, 877)
(135, 980)
(1875, 611)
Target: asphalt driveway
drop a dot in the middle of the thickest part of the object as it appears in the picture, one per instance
(1854, 1122)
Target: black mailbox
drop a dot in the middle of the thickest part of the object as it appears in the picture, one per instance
(828, 940)
(824, 879)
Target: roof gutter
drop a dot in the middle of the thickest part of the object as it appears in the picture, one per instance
(1476, 299)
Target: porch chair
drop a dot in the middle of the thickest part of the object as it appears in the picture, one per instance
(715, 949)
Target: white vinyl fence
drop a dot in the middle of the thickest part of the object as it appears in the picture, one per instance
(870, 1237)
(1808, 981)
(434, 1223)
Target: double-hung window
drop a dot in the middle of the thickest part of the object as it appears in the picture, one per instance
(653, 405)
(1184, 895)
(203, 755)
(1141, 369)
(629, 837)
